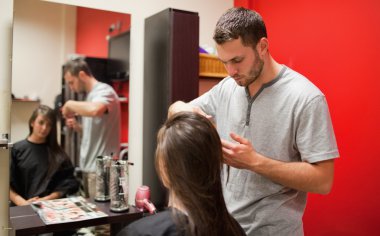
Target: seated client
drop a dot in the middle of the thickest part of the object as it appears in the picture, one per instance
(40, 169)
(189, 162)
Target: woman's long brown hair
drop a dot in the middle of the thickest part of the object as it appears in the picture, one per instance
(56, 153)
(189, 156)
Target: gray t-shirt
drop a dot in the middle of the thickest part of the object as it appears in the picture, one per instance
(287, 120)
(101, 135)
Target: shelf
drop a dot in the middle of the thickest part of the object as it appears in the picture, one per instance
(24, 100)
(214, 75)
(211, 66)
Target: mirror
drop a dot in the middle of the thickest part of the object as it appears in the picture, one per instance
(44, 36)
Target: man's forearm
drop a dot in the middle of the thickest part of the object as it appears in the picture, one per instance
(303, 176)
(316, 177)
(84, 108)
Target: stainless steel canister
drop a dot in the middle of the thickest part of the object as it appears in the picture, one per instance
(103, 164)
(119, 186)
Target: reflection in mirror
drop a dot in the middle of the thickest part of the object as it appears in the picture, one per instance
(45, 35)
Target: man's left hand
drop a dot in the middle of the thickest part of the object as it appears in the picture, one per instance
(240, 154)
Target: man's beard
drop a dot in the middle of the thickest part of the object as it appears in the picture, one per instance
(254, 73)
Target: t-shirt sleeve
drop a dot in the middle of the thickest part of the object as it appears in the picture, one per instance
(106, 96)
(208, 101)
(315, 136)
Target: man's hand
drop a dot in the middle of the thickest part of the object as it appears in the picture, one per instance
(181, 106)
(66, 111)
(241, 154)
(71, 122)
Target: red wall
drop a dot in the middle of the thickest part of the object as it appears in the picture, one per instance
(336, 44)
(92, 29)
(91, 40)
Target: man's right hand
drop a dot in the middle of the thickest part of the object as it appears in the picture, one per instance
(180, 106)
(66, 111)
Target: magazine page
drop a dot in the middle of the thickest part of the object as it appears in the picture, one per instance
(66, 210)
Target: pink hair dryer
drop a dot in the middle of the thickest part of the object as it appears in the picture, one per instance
(142, 200)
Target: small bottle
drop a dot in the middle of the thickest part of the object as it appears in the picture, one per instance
(142, 200)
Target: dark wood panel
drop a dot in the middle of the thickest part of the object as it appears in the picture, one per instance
(171, 65)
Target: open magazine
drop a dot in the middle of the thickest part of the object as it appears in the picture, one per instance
(66, 210)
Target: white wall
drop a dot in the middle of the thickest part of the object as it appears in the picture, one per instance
(209, 11)
(43, 35)
(20, 114)
(6, 17)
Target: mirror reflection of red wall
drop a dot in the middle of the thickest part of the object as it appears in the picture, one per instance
(93, 27)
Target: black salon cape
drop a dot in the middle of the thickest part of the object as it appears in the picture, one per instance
(161, 223)
(29, 166)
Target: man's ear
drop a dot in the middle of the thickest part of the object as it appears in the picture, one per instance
(82, 75)
(262, 46)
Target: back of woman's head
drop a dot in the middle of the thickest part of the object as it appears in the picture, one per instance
(189, 161)
(190, 147)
